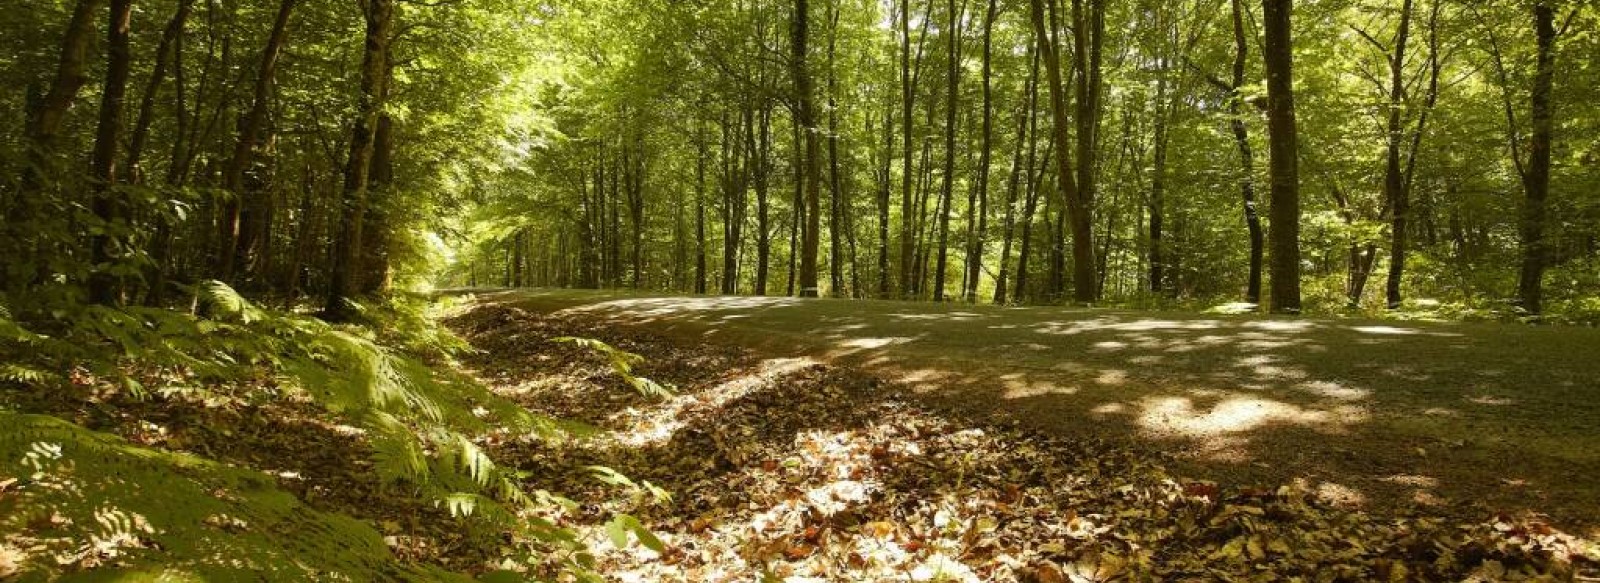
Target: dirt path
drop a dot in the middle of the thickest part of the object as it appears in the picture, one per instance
(1464, 419)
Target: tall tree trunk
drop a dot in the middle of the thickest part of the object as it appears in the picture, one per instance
(165, 55)
(1283, 158)
(109, 208)
(47, 113)
(177, 173)
(977, 224)
(836, 194)
(1024, 114)
(700, 211)
(1394, 189)
(762, 171)
(45, 116)
(1536, 178)
(374, 91)
(1158, 180)
(884, 186)
(377, 228)
(798, 204)
(634, 177)
(953, 71)
(1088, 36)
(237, 229)
(1247, 169)
(1060, 127)
(810, 239)
(909, 225)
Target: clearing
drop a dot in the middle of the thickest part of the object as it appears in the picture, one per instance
(1458, 419)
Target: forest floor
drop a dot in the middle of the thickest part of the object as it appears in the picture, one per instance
(826, 440)
(1463, 420)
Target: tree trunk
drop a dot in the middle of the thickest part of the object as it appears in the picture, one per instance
(700, 211)
(1394, 189)
(374, 91)
(909, 227)
(375, 226)
(1283, 162)
(109, 208)
(884, 186)
(1024, 114)
(1059, 126)
(810, 239)
(1088, 35)
(1536, 179)
(977, 224)
(1158, 182)
(165, 52)
(236, 229)
(836, 194)
(953, 70)
(45, 116)
(1247, 169)
(763, 168)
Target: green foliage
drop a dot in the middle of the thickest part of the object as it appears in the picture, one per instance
(420, 423)
(78, 499)
(622, 362)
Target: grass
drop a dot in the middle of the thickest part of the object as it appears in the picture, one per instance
(1466, 418)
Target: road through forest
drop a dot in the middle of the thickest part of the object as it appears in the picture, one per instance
(1458, 418)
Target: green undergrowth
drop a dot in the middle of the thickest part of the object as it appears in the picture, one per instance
(97, 508)
(81, 503)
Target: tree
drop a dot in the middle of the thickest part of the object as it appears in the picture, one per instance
(108, 207)
(374, 90)
(1283, 162)
(952, 34)
(812, 163)
(1536, 173)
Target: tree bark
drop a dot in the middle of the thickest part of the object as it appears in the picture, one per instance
(952, 36)
(374, 91)
(1088, 36)
(1536, 179)
(977, 223)
(1024, 114)
(1283, 161)
(1394, 187)
(1247, 169)
(236, 230)
(47, 114)
(836, 202)
(810, 239)
(1060, 121)
(109, 207)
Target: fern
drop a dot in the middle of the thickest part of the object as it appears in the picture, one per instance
(166, 515)
(622, 363)
(420, 425)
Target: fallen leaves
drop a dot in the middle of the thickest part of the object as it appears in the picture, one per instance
(814, 473)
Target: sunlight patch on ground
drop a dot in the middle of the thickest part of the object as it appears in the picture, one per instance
(1112, 377)
(1281, 325)
(1179, 415)
(1017, 387)
(869, 343)
(1107, 323)
(1340, 494)
(1334, 390)
(1491, 400)
(680, 305)
(661, 421)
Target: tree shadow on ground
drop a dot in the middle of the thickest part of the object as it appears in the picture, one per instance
(786, 466)
(1459, 418)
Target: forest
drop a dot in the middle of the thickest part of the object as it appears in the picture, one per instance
(799, 290)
